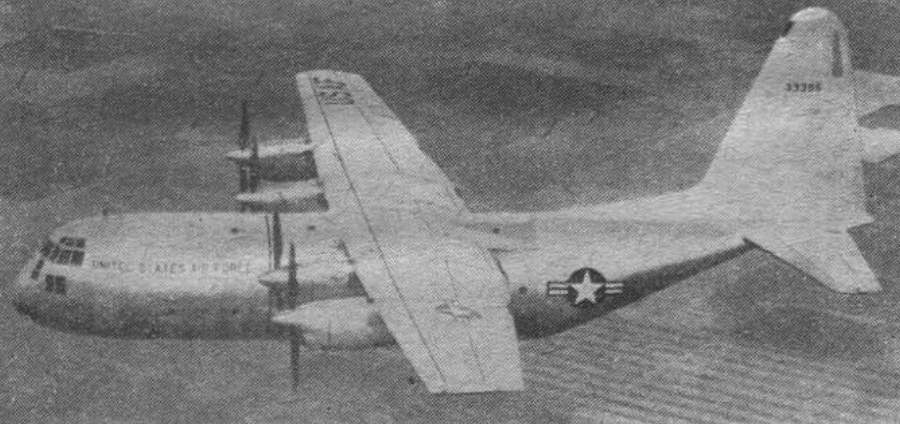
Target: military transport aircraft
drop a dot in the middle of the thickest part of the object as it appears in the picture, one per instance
(387, 251)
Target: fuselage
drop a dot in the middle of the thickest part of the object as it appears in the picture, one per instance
(197, 275)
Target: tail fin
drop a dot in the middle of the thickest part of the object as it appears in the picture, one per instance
(790, 165)
(791, 153)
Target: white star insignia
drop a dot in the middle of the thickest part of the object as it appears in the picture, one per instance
(586, 290)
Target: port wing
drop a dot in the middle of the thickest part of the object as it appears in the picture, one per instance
(444, 301)
(358, 135)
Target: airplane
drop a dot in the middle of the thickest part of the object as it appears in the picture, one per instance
(357, 239)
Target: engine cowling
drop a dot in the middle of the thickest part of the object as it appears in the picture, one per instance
(331, 273)
(348, 323)
(280, 160)
(303, 195)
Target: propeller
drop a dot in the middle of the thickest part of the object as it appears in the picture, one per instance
(277, 244)
(253, 168)
(244, 133)
(248, 172)
(293, 293)
(284, 298)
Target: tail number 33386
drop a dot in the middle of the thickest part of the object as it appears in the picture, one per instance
(803, 87)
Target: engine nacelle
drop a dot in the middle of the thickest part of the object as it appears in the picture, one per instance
(328, 273)
(307, 196)
(348, 323)
(280, 160)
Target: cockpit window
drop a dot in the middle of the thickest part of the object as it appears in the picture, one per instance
(55, 284)
(73, 242)
(68, 251)
(54, 254)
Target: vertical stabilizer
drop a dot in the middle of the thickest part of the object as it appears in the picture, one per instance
(791, 153)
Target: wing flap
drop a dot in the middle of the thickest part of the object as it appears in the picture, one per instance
(474, 346)
(828, 256)
(456, 302)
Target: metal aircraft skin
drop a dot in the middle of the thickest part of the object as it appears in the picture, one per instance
(397, 257)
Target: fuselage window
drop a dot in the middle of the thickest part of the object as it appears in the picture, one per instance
(55, 284)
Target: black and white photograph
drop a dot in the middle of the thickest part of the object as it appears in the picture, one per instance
(449, 211)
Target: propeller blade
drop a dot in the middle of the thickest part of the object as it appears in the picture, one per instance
(295, 359)
(277, 244)
(293, 293)
(253, 168)
(293, 286)
(242, 181)
(246, 181)
(244, 134)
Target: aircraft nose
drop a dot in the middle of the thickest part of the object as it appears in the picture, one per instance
(17, 293)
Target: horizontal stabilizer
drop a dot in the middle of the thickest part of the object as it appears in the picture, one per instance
(875, 91)
(828, 256)
(879, 144)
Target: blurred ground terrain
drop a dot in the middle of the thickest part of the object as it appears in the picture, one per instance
(527, 105)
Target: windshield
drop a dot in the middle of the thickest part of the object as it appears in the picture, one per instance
(69, 251)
